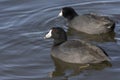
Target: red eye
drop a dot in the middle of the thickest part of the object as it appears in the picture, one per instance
(54, 30)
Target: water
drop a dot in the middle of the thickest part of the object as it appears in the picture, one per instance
(25, 55)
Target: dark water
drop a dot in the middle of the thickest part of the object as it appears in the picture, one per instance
(25, 55)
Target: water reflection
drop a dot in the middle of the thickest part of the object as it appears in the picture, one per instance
(105, 37)
(68, 69)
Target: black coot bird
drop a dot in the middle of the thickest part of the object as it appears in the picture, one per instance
(74, 51)
(87, 23)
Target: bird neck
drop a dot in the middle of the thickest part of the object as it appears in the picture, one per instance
(58, 42)
(72, 16)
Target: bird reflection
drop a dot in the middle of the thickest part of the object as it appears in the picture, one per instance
(104, 37)
(68, 69)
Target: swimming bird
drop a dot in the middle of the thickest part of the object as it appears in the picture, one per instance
(87, 23)
(74, 51)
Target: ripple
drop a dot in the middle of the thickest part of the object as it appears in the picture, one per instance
(33, 33)
(115, 58)
(80, 4)
(8, 24)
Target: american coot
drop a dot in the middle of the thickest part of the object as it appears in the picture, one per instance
(74, 51)
(87, 23)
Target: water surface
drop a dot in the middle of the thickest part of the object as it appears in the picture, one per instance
(25, 55)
